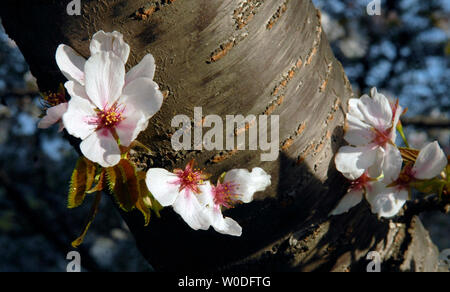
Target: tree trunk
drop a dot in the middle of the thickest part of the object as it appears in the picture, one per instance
(272, 59)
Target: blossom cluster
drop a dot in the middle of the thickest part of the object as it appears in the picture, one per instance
(199, 202)
(107, 110)
(378, 169)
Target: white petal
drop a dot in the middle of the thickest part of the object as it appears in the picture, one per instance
(161, 184)
(70, 63)
(54, 115)
(247, 182)
(386, 202)
(192, 212)
(61, 126)
(76, 89)
(145, 68)
(377, 111)
(352, 162)
(110, 42)
(353, 108)
(350, 200)
(206, 197)
(76, 119)
(376, 170)
(395, 120)
(102, 148)
(220, 224)
(430, 162)
(392, 163)
(105, 77)
(398, 112)
(129, 128)
(224, 225)
(142, 94)
(357, 132)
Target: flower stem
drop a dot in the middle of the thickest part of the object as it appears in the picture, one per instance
(402, 134)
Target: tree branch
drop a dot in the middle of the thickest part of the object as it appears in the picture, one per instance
(426, 122)
(427, 204)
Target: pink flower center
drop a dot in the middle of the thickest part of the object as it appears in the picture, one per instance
(406, 176)
(108, 117)
(382, 137)
(225, 194)
(361, 182)
(189, 178)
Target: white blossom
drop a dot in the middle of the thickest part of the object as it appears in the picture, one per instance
(107, 105)
(371, 131)
(180, 189)
(239, 185)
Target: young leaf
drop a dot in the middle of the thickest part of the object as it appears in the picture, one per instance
(147, 198)
(93, 212)
(80, 182)
(123, 184)
(156, 206)
(143, 191)
(433, 186)
(100, 183)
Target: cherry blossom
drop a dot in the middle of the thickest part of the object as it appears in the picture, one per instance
(371, 131)
(56, 105)
(53, 116)
(354, 195)
(388, 200)
(430, 162)
(387, 196)
(107, 105)
(384, 200)
(180, 189)
(238, 186)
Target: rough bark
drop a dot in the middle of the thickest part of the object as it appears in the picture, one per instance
(274, 60)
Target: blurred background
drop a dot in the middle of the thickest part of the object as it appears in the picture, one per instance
(404, 52)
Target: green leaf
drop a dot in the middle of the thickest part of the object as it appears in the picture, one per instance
(143, 193)
(100, 183)
(123, 184)
(81, 181)
(432, 186)
(93, 212)
(147, 202)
